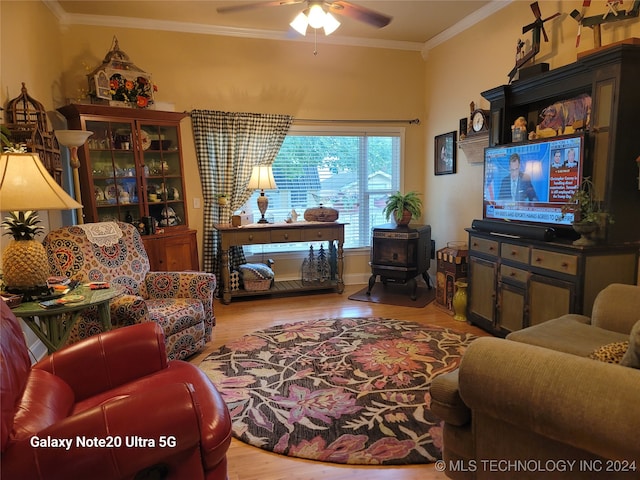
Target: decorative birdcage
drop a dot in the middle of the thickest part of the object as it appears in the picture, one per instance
(118, 81)
(25, 115)
(27, 122)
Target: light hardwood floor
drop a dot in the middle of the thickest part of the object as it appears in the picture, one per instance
(243, 316)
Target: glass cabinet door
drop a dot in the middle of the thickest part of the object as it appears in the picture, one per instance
(163, 174)
(112, 164)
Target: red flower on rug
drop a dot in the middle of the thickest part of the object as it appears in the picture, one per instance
(393, 356)
(350, 390)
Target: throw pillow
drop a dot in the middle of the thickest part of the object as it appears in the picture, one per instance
(632, 356)
(255, 271)
(610, 353)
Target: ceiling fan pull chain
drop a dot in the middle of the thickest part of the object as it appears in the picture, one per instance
(315, 41)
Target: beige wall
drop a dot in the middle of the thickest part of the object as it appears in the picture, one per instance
(30, 52)
(223, 73)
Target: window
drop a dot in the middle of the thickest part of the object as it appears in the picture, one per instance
(345, 168)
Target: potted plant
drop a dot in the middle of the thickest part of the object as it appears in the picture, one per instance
(588, 213)
(222, 199)
(5, 135)
(403, 207)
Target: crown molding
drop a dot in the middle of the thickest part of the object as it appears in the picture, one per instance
(467, 22)
(66, 19)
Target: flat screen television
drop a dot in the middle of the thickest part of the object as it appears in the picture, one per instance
(530, 182)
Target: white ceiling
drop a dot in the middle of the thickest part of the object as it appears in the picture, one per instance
(416, 25)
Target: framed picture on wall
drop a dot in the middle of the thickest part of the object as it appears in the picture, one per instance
(445, 153)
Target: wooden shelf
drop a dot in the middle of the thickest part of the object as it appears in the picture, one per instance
(287, 286)
(473, 146)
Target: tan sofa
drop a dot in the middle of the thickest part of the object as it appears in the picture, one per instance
(535, 406)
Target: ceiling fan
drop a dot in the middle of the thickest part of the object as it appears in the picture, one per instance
(339, 7)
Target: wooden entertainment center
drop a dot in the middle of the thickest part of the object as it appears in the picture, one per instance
(516, 280)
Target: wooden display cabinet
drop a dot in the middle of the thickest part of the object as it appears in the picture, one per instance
(131, 167)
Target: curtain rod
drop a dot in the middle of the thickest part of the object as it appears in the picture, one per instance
(415, 121)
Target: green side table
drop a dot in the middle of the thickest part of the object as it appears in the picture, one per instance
(53, 325)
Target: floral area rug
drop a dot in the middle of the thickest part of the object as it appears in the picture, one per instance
(341, 390)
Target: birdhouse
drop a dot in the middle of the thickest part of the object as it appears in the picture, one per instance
(118, 81)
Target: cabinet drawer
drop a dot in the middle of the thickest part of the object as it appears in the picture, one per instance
(515, 274)
(558, 262)
(517, 253)
(317, 234)
(248, 237)
(282, 236)
(483, 245)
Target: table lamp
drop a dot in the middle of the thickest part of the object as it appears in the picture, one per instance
(72, 139)
(261, 178)
(25, 187)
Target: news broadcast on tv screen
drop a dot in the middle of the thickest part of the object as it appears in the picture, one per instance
(530, 182)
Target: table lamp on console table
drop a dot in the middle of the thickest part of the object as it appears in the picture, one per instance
(261, 178)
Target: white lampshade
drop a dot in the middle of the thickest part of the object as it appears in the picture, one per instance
(300, 23)
(262, 178)
(315, 17)
(72, 138)
(331, 24)
(26, 185)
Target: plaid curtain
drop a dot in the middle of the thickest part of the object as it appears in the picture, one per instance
(228, 145)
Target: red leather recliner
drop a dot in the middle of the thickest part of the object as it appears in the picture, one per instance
(109, 407)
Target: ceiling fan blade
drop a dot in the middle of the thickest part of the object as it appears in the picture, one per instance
(362, 14)
(239, 7)
(536, 9)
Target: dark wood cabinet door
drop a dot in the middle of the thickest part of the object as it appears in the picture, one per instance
(174, 252)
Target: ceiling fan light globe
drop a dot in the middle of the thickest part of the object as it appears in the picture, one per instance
(300, 23)
(331, 24)
(317, 16)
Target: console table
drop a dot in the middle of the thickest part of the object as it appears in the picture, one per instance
(262, 233)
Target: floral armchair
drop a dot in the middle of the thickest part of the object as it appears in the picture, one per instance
(180, 302)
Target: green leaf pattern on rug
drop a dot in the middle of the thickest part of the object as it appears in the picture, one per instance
(347, 390)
